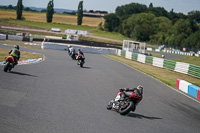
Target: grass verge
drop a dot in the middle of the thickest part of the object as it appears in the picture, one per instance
(189, 59)
(166, 76)
(24, 55)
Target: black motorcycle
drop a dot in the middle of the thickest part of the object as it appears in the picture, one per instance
(73, 55)
(124, 102)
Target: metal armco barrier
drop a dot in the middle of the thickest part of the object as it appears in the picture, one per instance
(180, 67)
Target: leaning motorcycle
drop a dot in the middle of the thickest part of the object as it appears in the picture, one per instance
(73, 55)
(9, 63)
(80, 60)
(124, 102)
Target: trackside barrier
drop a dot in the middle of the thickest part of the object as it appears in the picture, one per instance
(119, 52)
(168, 64)
(173, 52)
(15, 38)
(188, 88)
(128, 54)
(180, 67)
(123, 53)
(2, 37)
(194, 71)
(158, 62)
(86, 49)
(141, 58)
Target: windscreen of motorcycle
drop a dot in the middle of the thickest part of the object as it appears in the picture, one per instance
(117, 97)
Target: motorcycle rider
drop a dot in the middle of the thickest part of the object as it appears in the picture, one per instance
(70, 50)
(16, 54)
(124, 92)
(138, 91)
(80, 52)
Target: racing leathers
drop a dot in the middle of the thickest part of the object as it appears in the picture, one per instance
(16, 55)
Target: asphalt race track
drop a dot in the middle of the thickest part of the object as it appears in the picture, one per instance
(57, 96)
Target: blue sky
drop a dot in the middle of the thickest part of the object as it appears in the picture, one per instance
(183, 6)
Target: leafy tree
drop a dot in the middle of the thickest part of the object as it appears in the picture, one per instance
(179, 32)
(111, 22)
(10, 7)
(100, 26)
(139, 26)
(80, 13)
(50, 11)
(194, 15)
(193, 41)
(19, 9)
(160, 26)
(130, 9)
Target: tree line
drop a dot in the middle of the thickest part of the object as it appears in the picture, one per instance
(155, 25)
(49, 11)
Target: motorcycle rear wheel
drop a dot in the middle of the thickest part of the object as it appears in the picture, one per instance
(124, 111)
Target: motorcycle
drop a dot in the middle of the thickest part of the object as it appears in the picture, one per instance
(124, 102)
(73, 55)
(80, 60)
(9, 63)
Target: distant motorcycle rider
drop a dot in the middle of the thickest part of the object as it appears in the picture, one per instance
(70, 50)
(80, 53)
(16, 54)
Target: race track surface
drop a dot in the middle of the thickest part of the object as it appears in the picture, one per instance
(57, 96)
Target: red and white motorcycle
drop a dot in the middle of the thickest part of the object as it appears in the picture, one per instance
(124, 102)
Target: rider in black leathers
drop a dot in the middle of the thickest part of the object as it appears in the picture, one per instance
(138, 91)
(124, 92)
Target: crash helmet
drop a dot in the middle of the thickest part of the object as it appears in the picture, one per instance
(140, 88)
(16, 46)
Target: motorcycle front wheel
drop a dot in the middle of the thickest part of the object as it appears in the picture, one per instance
(6, 67)
(126, 108)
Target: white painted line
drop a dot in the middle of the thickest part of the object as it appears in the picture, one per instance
(156, 79)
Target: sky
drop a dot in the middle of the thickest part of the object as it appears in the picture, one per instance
(182, 6)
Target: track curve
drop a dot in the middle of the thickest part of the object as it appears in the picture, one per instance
(58, 96)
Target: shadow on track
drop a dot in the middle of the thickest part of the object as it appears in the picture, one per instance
(139, 116)
(23, 74)
(86, 67)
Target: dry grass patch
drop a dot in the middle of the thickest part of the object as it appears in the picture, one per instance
(164, 75)
(24, 55)
(57, 18)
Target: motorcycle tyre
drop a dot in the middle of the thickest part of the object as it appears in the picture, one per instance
(81, 64)
(6, 67)
(127, 110)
